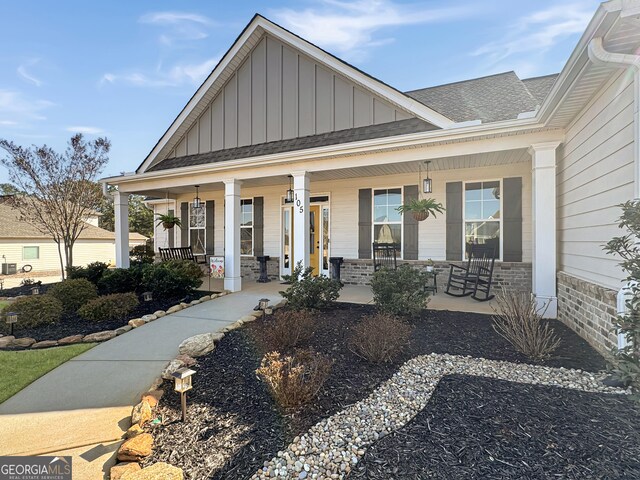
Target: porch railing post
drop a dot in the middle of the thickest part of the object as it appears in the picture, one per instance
(121, 211)
(301, 245)
(543, 176)
(232, 276)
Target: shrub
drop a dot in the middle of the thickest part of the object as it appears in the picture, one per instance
(142, 253)
(287, 329)
(380, 338)
(518, 320)
(36, 310)
(308, 292)
(120, 280)
(294, 380)
(92, 272)
(173, 278)
(401, 291)
(109, 307)
(73, 293)
(626, 361)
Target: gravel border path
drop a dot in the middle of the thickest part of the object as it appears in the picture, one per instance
(334, 445)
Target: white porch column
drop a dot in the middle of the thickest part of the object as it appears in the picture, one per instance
(232, 277)
(121, 210)
(301, 219)
(543, 161)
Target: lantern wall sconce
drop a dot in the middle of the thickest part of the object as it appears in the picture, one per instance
(182, 384)
(11, 318)
(197, 201)
(290, 195)
(427, 184)
(147, 296)
(35, 290)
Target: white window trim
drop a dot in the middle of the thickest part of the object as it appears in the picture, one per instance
(204, 229)
(30, 246)
(253, 219)
(464, 214)
(401, 222)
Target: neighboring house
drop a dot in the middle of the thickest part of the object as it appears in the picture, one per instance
(535, 166)
(23, 244)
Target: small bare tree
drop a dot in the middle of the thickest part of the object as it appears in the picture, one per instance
(57, 189)
(518, 320)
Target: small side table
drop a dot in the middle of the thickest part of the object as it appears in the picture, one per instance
(434, 287)
(264, 278)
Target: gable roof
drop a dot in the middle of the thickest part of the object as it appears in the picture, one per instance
(390, 129)
(540, 87)
(490, 99)
(232, 59)
(14, 228)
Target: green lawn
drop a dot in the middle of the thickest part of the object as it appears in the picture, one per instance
(2, 305)
(20, 368)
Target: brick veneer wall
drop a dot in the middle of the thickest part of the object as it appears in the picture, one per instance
(588, 309)
(250, 268)
(514, 275)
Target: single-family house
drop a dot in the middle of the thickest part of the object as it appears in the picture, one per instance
(301, 156)
(22, 244)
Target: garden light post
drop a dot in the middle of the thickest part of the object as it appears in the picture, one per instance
(11, 319)
(147, 296)
(35, 290)
(182, 379)
(263, 304)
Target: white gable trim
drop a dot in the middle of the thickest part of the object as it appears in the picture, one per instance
(260, 23)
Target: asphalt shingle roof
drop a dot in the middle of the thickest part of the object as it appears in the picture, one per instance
(400, 127)
(540, 86)
(490, 99)
(12, 227)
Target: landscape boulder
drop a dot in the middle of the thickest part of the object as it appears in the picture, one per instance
(149, 318)
(174, 309)
(157, 471)
(25, 342)
(141, 413)
(99, 336)
(136, 448)
(118, 471)
(134, 431)
(70, 340)
(159, 313)
(152, 397)
(168, 371)
(123, 329)
(44, 344)
(6, 341)
(199, 345)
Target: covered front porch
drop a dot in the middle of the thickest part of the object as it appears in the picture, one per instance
(500, 191)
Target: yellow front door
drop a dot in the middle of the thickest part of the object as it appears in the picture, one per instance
(314, 238)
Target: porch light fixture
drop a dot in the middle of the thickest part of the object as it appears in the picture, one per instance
(147, 296)
(289, 196)
(35, 290)
(427, 186)
(11, 318)
(182, 384)
(197, 201)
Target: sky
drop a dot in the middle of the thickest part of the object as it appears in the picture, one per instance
(125, 69)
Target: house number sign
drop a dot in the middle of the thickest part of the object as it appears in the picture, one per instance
(299, 204)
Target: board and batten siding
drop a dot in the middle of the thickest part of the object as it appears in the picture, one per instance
(279, 93)
(344, 209)
(595, 173)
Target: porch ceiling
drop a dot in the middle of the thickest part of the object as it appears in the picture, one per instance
(449, 163)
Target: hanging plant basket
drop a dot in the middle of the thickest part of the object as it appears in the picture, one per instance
(420, 216)
(168, 225)
(168, 221)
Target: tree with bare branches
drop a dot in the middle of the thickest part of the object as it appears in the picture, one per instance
(57, 189)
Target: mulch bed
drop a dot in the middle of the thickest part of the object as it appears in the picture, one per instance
(73, 324)
(476, 427)
(234, 425)
(24, 289)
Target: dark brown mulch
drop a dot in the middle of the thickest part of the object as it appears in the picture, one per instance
(23, 289)
(481, 428)
(73, 324)
(249, 431)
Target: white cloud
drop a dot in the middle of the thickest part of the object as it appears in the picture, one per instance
(349, 27)
(26, 75)
(20, 108)
(85, 129)
(178, 75)
(538, 31)
(179, 26)
(8, 123)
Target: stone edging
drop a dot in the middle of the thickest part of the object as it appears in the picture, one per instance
(331, 447)
(9, 342)
(138, 444)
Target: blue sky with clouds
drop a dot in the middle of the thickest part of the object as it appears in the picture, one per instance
(124, 69)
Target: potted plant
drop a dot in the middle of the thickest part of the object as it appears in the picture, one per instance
(430, 264)
(168, 221)
(422, 208)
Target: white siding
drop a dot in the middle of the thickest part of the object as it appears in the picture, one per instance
(595, 174)
(160, 235)
(344, 212)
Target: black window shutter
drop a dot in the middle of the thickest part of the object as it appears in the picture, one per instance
(410, 240)
(258, 226)
(210, 218)
(454, 221)
(171, 232)
(512, 219)
(364, 223)
(184, 220)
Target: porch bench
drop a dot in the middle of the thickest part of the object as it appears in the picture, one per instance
(182, 253)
